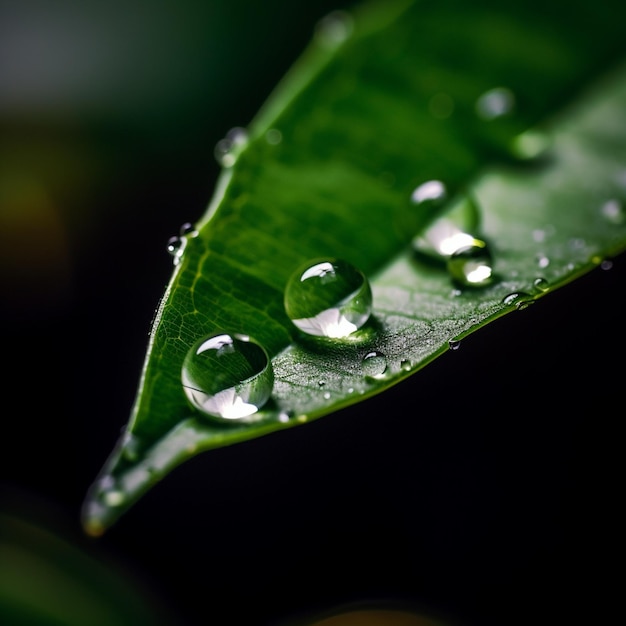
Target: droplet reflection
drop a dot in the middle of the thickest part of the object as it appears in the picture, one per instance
(229, 377)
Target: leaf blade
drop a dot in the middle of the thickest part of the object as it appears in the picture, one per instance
(312, 190)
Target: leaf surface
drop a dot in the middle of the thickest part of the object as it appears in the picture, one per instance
(383, 100)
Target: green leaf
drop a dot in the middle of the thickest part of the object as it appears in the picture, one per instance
(382, 100)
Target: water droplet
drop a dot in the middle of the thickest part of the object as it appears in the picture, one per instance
(114, 498)
(495, 103)
(613, 210)
(188, 230)
(131, 446)
(405, 365)
(326, 395)
(454, 344)
(285, 416)
(328, 298)
(432, 191)
(174, 244)
(228, 149)
(451, 231)
(519, 299)
(333, 29)
(530, 144)
(543, 261)
(541, 284)
(273, 136)
(226, 376)
(374, 364)
(471, 265)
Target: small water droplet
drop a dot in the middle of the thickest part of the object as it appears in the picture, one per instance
(229, 377)
(130, 446)
(174, 244)
(454, 344)
(405, 365)
(432, 191)
(114, 498)
(326, 395)
(531, 144)
(273, 136)
(472, 265)
(333, 29)
(374, 364)
(227, 149)
(543, 261)
(188, 230)
(519, 299)
(607, 264)
(613, 210)
(328, 298)
(541, 284)
(495, 103)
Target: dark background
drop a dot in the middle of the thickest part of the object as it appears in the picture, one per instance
(483, 490)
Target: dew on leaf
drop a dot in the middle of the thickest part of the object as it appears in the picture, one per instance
(543, 261)
(495, 103)
(227, 149)
(333, 29)
(227, 376)
(328, 298)
(541, 284)
(454, 344)
(374, 364)
(113, 498)
(613, 211)
(471, 265)
(519, 299)
(431, 191)
(273, 136)
(529, 145)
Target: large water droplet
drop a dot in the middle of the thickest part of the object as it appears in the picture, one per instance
(471, 265)
(495, 103)
(374, 364)
(328, 298)
(226, 376)
(227, 149)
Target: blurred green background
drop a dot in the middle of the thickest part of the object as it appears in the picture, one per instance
(487, 495)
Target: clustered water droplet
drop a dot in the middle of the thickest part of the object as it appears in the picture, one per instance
(468, 258)
(227, 149)
(328, 297)
(227, 376)
(176, 244)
